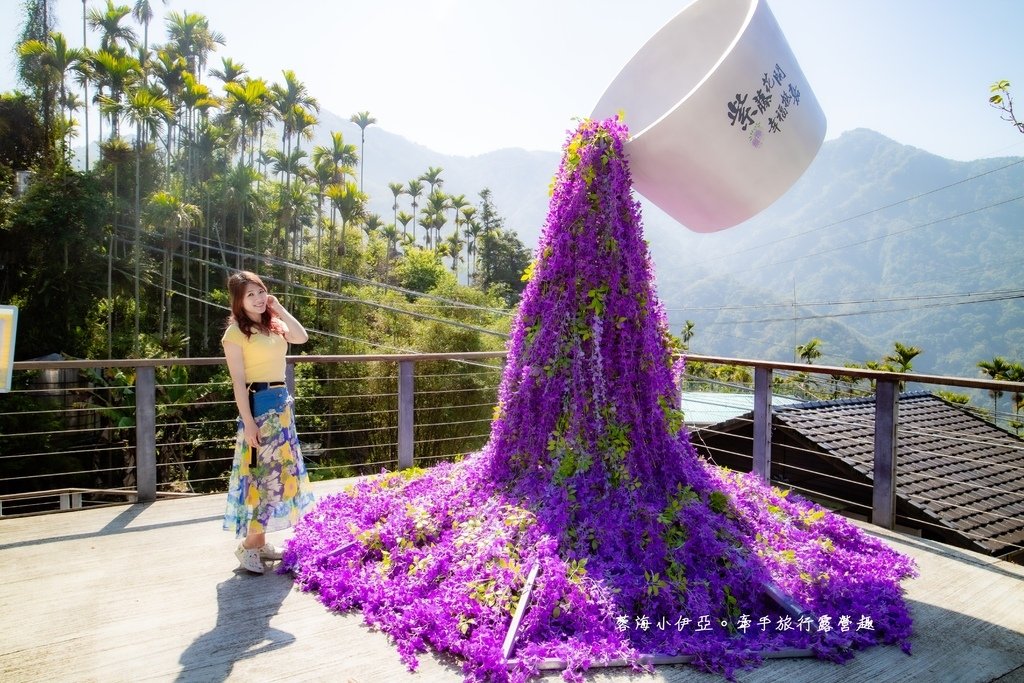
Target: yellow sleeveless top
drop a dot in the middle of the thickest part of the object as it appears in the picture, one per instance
(264, 354)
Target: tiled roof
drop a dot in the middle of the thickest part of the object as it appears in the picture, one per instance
(960, 470)
(712, 407)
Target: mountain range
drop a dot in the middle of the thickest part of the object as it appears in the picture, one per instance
(926, 250)
(877, 242)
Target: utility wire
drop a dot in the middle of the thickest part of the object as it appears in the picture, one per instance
(334, 296)
(323, 272)
(311, 270)
(850, 302)
(761, 246)
(332, 335)
(364, 282)
(1018, 295)
(747, 269)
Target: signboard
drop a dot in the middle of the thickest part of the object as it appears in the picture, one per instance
(8, 330)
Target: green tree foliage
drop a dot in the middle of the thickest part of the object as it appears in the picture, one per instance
(1000, 368)
(1015, 373)
(41, 82)
(58, 274)
(22, 137)
(809, 352)
(421, 270)
(1001, 100)
(900, 360)
(199, 177)
(687, 333)
(503, 260)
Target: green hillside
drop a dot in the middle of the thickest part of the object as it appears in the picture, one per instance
(926, 250)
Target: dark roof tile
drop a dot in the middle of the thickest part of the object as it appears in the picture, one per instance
(964, 470)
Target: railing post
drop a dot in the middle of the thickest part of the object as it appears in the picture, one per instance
(405, 413)
(883, 491)
(289, 376)
(145, 433)
(763, 423)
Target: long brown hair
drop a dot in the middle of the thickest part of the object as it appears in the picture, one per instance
(236, 289)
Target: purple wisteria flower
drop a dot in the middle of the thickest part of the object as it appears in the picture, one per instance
(641, 546)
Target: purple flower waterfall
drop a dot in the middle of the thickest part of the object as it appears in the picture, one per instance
(589, 475)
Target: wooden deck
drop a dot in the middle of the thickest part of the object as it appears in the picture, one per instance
(150, 592)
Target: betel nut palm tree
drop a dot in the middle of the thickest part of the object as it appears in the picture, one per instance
(142, 11)
(176, 217)
(810, 351)
(148, 110)
(56, 61)
(351, 205)
(404, 219)
(115, 37)
(363, 120)
(294, 106)
(191, 37)
(995, 369)
(397, 189)
(432, 176)
(414, 189)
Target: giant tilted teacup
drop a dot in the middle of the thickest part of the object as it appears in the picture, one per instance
(722, 119)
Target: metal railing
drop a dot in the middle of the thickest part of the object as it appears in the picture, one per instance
(138, 429)
(113, 430)
(752, 444)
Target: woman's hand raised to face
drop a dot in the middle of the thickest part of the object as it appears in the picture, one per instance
(273, 305)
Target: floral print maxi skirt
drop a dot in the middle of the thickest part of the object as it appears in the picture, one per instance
(274, 493)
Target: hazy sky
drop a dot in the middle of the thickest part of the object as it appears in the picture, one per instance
(471, 76)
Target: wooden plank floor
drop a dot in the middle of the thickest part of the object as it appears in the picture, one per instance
(151, 593)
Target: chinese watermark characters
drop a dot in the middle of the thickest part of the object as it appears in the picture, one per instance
(746, 623)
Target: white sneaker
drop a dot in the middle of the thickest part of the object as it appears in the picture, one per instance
(249, 558)
(269, 552)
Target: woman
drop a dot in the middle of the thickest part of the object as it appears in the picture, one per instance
(269, 489)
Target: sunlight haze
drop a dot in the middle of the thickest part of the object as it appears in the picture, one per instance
(467, 77)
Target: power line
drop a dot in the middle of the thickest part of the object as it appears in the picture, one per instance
(747, 269)
(1019, 294)
(311, 270)
(334, 296)
(322, 272)
(861, 215)
(331, 296)
(332, 335)
(920, 297)
(946, 276)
